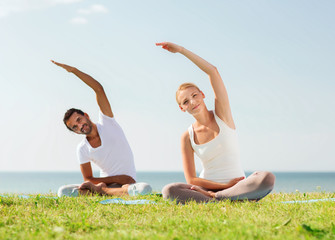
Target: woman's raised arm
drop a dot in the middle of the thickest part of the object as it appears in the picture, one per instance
(222, 106)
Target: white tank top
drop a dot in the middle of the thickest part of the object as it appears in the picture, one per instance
(220, 157)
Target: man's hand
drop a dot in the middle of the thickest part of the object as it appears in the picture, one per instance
(66, 67)
(92, 83)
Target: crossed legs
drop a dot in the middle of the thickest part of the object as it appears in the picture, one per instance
(114, 189)
(254, 187)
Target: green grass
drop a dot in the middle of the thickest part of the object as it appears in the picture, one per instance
(86, 218)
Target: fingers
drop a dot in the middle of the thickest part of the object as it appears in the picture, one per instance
(57, 63)
(54, 62)
(161, 44)
(195, 188)
(165, 45)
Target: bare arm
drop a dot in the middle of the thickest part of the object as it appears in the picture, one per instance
(86, 171)
(189, 168)
(102, 99)
(222, 106)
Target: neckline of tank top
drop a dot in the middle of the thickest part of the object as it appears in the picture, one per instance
(201, 144)
(215, 117)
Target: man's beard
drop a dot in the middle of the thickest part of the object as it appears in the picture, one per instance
(89, 125)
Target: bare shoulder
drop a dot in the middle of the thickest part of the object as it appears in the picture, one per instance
(185, 137)
(186, 145)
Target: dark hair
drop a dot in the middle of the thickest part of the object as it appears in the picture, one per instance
(69, 113)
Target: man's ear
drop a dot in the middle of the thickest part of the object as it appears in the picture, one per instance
(86, 115)
(203, 95)
(181, 108)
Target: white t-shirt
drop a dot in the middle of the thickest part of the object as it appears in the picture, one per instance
(114, 155)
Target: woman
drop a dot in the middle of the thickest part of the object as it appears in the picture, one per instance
(213, 138)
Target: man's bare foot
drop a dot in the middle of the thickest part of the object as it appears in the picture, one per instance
(94, 188)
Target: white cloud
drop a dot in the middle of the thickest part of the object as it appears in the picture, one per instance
(78, 20)
(96, 8)
(8, 7)
(64, 1)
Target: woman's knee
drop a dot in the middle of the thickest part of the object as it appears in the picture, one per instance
(170, 190)
(262, 179)
(268, 180)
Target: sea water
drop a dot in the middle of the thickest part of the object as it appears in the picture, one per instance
(49, 182)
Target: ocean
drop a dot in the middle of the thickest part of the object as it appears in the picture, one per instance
(49, 182)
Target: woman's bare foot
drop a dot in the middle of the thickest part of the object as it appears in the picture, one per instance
(206, 193)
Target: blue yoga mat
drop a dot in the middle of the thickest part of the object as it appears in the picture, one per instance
(311, 200)
(126, 202)
(144, 201)
(26, 197)
(107, 201)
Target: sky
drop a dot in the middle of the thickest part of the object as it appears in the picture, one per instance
(276, 59)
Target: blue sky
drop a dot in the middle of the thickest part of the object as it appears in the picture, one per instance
(275, 57)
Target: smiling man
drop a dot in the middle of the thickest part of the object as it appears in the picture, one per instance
(105, 144)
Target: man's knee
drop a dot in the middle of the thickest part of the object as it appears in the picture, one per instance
(71, 190)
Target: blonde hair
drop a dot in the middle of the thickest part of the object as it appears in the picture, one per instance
(183, 87)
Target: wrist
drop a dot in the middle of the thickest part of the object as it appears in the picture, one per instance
(73, 70)
(182, 50)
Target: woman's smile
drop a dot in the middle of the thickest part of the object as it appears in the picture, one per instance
(196, 107)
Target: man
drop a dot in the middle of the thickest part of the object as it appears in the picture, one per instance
(104, 144)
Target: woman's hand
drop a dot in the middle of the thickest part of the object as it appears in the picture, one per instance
(66, 67)
(234, 181)
(171, 47)
(206, 193)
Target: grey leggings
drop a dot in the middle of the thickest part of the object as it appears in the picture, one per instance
(254, 187)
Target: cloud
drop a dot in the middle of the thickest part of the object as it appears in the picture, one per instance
(93, 9)
(64, 1)
(96, 8)
(78, 20)
(8, 7)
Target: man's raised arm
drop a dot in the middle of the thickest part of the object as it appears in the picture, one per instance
(102, 99)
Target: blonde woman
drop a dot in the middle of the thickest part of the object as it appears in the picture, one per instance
(213, 138)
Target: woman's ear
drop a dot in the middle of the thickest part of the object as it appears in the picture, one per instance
(203, 95)
(181, 108)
